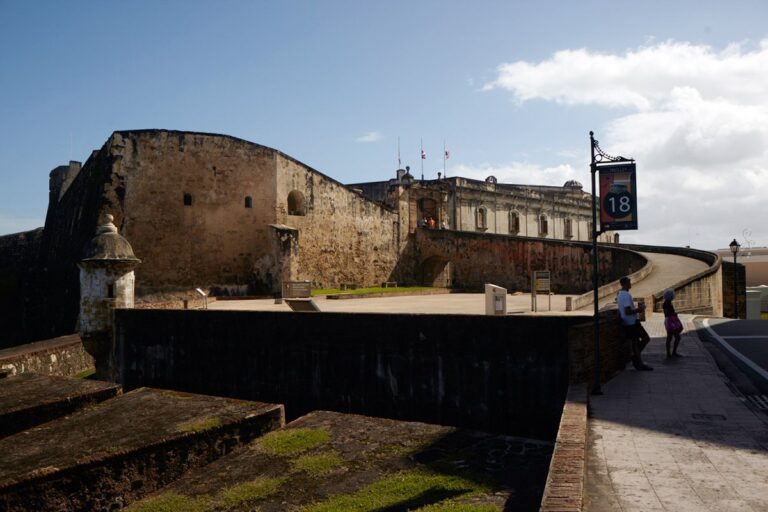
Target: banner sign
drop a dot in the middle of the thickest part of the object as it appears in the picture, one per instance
(618, 197)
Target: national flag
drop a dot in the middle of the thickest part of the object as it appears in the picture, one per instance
(447, 154)
(423, 155)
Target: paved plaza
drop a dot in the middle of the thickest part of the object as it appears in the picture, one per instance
(676, 438)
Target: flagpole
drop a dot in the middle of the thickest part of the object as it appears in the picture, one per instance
(444, 155)
(422, 159)
(399, 164)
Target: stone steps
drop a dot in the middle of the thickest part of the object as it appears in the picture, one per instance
(114, 452)
(30, 399)
(333, 461)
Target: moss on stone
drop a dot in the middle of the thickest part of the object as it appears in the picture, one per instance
(292, 441)
(86, 374)
(406, 490)
(317, 465)
(171, 502)
(250, 491)
(199, 425)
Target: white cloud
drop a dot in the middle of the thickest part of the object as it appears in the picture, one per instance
(369, 137)
(697, 126)
(520, 173)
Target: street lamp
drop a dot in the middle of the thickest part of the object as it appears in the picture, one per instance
(735, 250)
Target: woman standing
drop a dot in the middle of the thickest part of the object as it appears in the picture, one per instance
(672, 323)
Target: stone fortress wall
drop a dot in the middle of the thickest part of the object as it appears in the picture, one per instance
(234, 217)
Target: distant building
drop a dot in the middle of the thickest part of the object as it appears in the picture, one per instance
(563, 213)
(755, 261)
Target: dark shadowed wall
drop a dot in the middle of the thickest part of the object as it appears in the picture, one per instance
(504, 374)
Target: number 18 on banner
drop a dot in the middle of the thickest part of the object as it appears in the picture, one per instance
(618, 197)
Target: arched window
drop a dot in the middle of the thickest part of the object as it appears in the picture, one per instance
(296, 203)
(514, 222)
(481, 218)
(567, 228)
(249, 202)
(543, 225)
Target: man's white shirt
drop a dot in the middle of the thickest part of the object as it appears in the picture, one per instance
(624, 300)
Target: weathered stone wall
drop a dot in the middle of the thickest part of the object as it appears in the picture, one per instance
(63, 356)
(216, 239)
(343, 236)
(18, 263)
(504, 374)
(508, 261)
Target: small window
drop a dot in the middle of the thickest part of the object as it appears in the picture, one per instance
(514, 223)
(187, 199)
(543, 225)
(249, 202)
(567, 228)
(111, 291)
(481, 218)
(296, 203)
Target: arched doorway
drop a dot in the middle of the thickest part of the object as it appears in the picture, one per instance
(437, 271)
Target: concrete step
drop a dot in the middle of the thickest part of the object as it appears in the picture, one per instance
(30, 399)
(119, 450)
(331, 461)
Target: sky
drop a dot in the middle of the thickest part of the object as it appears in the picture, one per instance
(511, 88)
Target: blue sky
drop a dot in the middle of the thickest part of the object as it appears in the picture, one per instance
(512, 87)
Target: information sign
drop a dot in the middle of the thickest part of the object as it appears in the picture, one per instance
(618, 197)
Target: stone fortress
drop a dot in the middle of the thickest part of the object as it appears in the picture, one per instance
(234, 217)
(432, 397)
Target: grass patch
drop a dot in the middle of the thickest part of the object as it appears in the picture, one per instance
(292, 441)
(171, 502)
(374, 289)
(459, 507)
(318, 465)
(405, 490)
(86, 374)
(199, 425)
(249, 491)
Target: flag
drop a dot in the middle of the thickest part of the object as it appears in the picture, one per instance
(447, 154)
(423, 155)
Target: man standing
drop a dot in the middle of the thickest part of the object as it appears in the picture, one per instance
(633, 330)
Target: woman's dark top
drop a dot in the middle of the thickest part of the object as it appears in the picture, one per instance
(669, 309)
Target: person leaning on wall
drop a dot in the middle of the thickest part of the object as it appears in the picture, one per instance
(633, 329)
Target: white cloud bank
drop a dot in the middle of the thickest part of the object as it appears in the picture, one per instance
(369, 137)
(694, 118)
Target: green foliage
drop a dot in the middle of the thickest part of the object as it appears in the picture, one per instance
(86, 374)
(230, 497)
(374, 289)
(317, 465)
(199, 425)
(250, 491)
(452, 506)
(292, 441)
(170, 502)
(406, 490)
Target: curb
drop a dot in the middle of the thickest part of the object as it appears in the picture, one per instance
(564, 491)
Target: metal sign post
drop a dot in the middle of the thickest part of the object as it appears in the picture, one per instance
(618, 195)
(541, 281)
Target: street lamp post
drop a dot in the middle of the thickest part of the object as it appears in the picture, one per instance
(735, 250)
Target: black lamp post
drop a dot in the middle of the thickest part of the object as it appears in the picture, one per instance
(735, 250)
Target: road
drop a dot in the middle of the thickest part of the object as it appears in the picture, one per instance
(746, 342)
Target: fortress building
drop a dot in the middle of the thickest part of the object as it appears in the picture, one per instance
(234, 217)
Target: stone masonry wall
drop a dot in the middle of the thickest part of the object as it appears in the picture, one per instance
(216, 239)
(343, 237)
(18, 261)
(508, 261)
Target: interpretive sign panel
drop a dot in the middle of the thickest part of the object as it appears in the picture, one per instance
(618, 197)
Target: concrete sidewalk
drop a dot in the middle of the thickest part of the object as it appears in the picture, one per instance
(676, 438)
